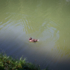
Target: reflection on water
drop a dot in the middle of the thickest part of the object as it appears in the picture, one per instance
(46, 20)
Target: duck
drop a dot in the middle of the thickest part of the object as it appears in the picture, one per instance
(33, 40)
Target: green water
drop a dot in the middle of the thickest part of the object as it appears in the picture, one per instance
(46, 20)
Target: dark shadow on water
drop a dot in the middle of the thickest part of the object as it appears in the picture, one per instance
(19, 48)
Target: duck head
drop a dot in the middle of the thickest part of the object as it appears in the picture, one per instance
(30, 38)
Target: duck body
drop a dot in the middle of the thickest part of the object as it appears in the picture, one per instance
(33, 40)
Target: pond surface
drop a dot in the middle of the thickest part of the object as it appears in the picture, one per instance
(46, 20)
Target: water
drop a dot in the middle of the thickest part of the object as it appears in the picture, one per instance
(46, 20)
